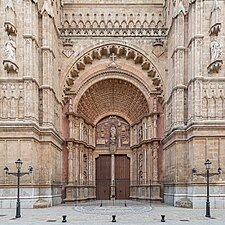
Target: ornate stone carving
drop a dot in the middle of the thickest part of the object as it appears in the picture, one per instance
(10, 18)
(68, 47)
(140, 168)
(113, 95)
(215, 66)
(158, 48)
(213, 101)
(113, 132)
(119, 51)
(113, 64)
(11, 101)
(85, 169)
(10, 55)
(215, 19)
(113, 25)
(215, 52)
(113, 32)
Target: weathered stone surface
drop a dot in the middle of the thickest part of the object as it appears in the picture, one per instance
(184, 203)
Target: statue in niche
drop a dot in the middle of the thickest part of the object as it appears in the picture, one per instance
(112, 131)
(140, 133)
(10, 49)
(112, 146)
(215, 49)
(112, 134)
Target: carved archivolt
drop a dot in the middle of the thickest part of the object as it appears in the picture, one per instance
(106, 51)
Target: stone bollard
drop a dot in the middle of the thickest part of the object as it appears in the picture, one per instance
(163, 218)
(64, 219)
(113, 218)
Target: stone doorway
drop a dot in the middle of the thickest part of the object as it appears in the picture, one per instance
(107, 187)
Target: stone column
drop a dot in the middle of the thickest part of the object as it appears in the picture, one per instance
(76, 160)
(149, 127)
(155, 148)
(70, 162)
(112, 177)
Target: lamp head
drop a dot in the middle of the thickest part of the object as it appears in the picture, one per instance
(208, 164)
(6, 169)
(30, 168)
(219, 170)
(193, 170)
(18, 164)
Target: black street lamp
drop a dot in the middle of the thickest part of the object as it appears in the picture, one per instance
(207, 175)
(18, 174)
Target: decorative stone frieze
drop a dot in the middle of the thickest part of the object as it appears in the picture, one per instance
(113, 32)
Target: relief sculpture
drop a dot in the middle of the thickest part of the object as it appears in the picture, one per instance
(113, 131)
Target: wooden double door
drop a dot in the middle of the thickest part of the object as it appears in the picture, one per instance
(104, 177)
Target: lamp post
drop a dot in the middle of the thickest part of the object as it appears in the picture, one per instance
(207, 175)
(18, 174)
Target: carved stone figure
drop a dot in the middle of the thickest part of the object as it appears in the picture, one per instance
(215, 49)
(112, 134)
(10, 49)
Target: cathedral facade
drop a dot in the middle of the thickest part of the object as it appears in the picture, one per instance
(112, 99)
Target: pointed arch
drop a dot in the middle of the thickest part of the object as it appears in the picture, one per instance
(95, 24)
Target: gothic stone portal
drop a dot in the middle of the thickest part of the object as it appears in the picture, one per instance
(112, 170)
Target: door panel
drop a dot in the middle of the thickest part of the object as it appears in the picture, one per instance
(122, 176)
(103, 177)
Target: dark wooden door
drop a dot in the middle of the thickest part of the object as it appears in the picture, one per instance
(122, 176)
(103, 177)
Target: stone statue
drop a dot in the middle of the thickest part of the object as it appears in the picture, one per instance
(10, 49)
(112, 134)
(215, 49)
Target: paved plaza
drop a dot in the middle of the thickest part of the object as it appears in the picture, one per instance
(93, 213)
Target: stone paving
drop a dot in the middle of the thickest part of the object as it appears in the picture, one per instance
(133, 214)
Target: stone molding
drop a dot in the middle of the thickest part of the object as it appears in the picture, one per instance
(113, 32)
